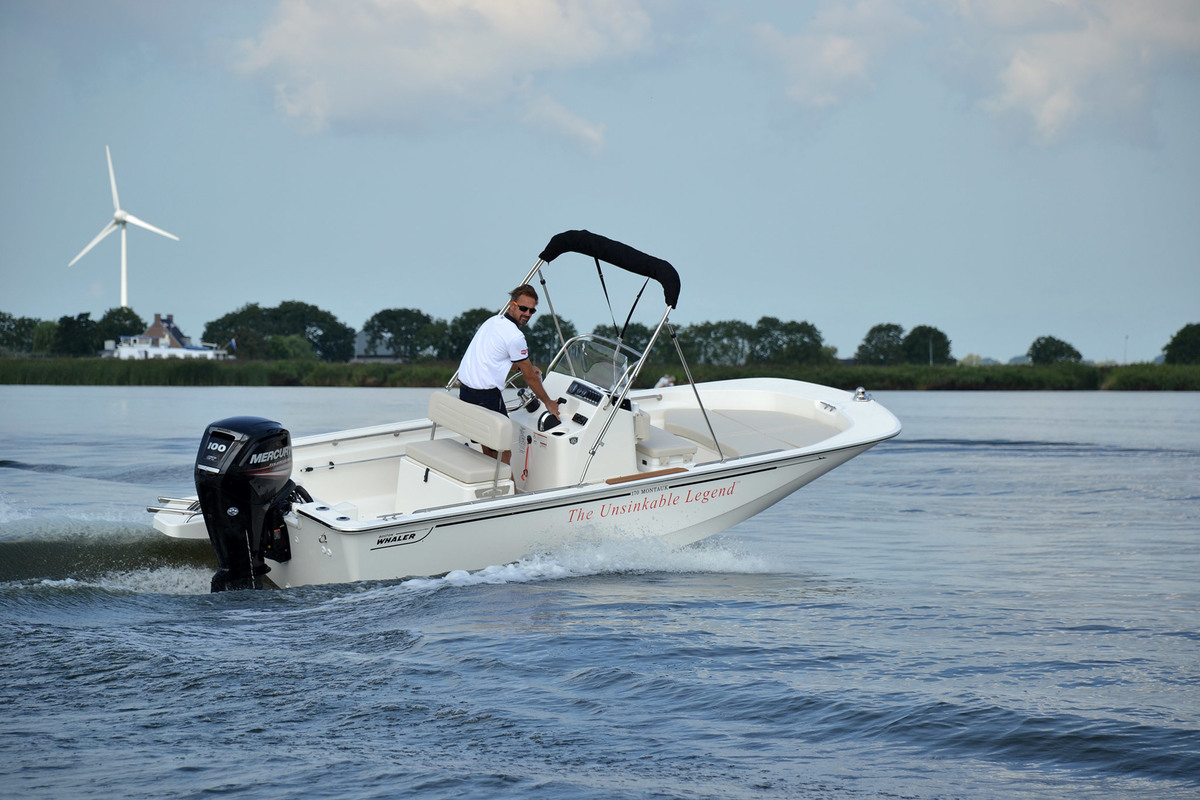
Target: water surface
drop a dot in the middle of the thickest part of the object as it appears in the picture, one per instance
(1001, 602)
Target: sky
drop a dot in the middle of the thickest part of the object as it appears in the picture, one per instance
(999, 169)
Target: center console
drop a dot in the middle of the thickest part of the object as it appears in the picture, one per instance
(548, 455)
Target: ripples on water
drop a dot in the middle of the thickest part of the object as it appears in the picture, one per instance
(946, 616)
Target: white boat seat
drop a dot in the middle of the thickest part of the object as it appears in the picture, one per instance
(456, 459)
(660, 444)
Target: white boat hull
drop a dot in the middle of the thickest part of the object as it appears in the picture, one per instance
(679, 509)
(364, 525)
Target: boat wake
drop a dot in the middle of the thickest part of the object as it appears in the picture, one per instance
(612, 557)
(72, 553)
(140, 475)
(179, 580)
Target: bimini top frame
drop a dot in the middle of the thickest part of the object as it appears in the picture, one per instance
(632, 260)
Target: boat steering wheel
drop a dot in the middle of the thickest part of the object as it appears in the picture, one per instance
(525, 399)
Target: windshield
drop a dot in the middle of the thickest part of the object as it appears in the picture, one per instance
(595, 359)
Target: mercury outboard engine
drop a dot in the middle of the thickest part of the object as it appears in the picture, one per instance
(243, 479)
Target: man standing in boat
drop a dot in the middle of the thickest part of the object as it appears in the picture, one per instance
(498, 347)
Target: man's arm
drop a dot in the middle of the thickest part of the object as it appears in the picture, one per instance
(533, 379)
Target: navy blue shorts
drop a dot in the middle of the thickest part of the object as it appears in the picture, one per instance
(488, 398)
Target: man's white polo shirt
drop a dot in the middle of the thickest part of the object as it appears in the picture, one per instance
(498, 344)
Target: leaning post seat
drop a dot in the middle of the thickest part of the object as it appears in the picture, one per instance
(455, 459)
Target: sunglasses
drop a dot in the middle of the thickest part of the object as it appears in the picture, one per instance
(527, 309)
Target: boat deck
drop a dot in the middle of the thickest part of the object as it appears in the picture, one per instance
(744, 433)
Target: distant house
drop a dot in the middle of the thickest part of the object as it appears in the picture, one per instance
(162, 339)
(381, 354)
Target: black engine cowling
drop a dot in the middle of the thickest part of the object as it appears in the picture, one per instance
(243, 479)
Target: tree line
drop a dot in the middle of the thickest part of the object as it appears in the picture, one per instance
(299, 331)
(412, 335)
(79, 335)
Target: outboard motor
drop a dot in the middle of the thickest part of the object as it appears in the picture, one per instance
(243, 479)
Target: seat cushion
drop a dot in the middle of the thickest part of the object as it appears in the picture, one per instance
(457, 460)
(661, 444)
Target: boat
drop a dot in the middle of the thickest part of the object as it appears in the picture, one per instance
(421, 498)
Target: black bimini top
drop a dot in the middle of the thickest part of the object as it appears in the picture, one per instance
(619, 255)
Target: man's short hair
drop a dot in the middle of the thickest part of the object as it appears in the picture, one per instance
(524, 290)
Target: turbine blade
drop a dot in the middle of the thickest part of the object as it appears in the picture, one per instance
(109, 228)
(112, 179)
(143, 224)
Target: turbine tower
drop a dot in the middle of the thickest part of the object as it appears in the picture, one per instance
(119, 220)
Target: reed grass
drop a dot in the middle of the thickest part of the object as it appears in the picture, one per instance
(180, 372)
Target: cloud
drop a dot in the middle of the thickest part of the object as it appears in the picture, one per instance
(1093, 64)
(834, 58)
(546, 113)
(416, 64)
(1045, 69)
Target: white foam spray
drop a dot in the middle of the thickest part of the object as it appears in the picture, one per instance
(613, 556)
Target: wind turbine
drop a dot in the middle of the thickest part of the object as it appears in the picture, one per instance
(119, 220)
